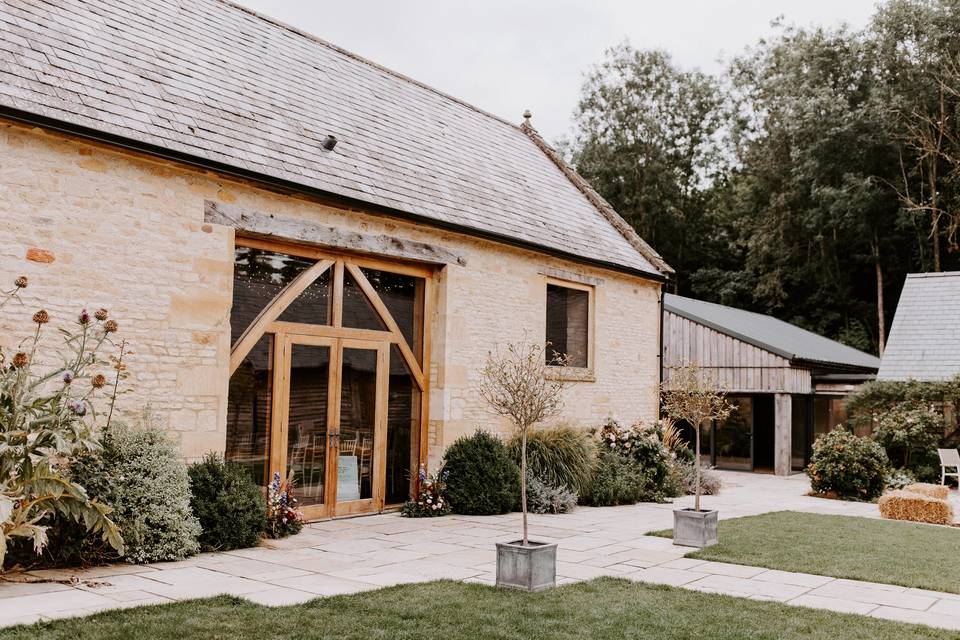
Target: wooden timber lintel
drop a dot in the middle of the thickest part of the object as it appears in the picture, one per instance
(269, 226)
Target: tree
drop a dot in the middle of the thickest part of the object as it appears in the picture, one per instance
(919, 45)
(690, 395)
(514, 386)
(647, 138)
(812, 188)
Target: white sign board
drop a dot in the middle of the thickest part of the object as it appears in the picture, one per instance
(348, 479)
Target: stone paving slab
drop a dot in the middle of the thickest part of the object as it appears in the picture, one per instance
(361, 554)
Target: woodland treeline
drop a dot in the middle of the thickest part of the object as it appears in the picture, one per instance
(806, 180)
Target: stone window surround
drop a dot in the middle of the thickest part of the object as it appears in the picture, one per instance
(570, 280)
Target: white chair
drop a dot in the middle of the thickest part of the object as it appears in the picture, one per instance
(949, 458)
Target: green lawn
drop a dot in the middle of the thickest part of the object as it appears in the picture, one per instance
(603, 608)
(903, 553)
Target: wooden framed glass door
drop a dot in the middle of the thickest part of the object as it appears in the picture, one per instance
(330, 422)
(322, 343)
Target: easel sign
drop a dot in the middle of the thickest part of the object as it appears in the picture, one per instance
(348, 478)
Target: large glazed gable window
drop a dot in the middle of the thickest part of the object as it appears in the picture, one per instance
(328, 375)
(568, 324)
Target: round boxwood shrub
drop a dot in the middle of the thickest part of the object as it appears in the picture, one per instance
(481, 478)
(228, 504)
(848, 466)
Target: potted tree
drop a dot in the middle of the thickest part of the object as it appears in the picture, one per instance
(514, 386)
(690, 395)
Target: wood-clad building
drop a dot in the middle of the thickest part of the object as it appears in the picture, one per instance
(788, 384)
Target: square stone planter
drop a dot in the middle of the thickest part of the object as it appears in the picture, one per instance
(694, 528)
(528, 568)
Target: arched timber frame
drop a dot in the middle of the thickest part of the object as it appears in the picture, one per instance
(267, 320)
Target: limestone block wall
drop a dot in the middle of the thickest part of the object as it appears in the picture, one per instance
(93, 226)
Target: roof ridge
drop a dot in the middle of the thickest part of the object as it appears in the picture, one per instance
(934, 274)
(727, 306)
(366, 61)
(604, 207)
(761, 342)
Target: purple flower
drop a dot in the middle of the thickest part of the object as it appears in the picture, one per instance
(77, 407)
(68, 377)
(84, 317)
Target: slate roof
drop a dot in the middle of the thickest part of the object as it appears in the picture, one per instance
(221, 83)
(924, 342)
(779, 337)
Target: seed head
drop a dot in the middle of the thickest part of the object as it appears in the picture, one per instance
(99, 381)
(100, 314)
(21, 282)
(110, 326)
(20, 359)
(41, 317)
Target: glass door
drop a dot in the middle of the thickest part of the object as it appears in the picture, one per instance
(358, 438)
(331, 418)
(733, 438)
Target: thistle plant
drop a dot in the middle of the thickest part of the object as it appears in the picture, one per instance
(692, 396)
(513, 384)
(48, 414)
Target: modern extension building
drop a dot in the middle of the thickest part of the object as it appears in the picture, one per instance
(788, 384)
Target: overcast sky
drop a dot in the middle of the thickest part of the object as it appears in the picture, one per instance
(509, 56)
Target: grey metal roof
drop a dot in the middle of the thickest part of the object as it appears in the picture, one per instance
(218, 82)
(924, 342)
(767, 332)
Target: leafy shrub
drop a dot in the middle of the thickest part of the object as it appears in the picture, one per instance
(877, 397)
(910, 434)
(542, 497)
(431, 501)
(47, 415)
(561, 456)
(852, 467)
(140, 474)
(228, 504)
(283, 517)
(616, 480)
(481, 477)
(900, 478)
(641, 443)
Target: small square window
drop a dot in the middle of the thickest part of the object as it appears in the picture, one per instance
(568, 325)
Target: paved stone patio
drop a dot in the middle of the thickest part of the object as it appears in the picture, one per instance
(359, 554)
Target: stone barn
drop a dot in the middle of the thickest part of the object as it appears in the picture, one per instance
(310, 254)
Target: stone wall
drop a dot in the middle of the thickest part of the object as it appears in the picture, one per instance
(96, 227)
